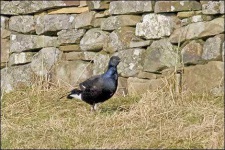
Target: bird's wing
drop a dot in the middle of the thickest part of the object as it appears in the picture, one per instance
(94, 82)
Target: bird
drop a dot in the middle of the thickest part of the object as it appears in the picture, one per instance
(99, 88)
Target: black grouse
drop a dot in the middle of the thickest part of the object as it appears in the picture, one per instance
(98, 88)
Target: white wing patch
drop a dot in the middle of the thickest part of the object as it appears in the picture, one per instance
(77, 96)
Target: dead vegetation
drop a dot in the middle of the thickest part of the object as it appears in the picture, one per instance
(36, 118)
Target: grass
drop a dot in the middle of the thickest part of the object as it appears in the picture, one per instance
(35, 118)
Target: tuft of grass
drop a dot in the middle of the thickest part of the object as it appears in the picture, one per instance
(34, 118)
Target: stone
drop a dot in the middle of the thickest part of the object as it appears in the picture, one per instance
(86, 56)
(44, 60)
(4, 50)
(212, 49)
(130, 7)
(131, 62)
(69, 48)
(84, 20)
(83, 3)
(29, 7)
(68, 10)
(72, 72)
(70, 36)
(217, 91)
(223, 52)
(140, 86)
(98, 21)
(93, 40)
(98, 5)
(138, 42)
(211, 7)
(20, 42)
(102, 14)
(100, 63)
(73, 56)
(175, 6)
(159, 55)
(20, 58)
(187, 14)
(196, 18)
(16, 77)
(121, 88)
(23, 24)
(90, 56)
(192, 52)
(119, 39)
(5, 33)
(53, 23)
(203, 78)
(155, 26)
(147, 75)
(71, 3)
(198, 30)
(4, 22)
(114, 22)
(221, 7)
(3, 65)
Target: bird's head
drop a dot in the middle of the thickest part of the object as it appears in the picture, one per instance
(114, 61)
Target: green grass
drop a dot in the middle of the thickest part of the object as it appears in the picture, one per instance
(35, 118)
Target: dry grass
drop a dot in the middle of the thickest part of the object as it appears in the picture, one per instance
(35, 118)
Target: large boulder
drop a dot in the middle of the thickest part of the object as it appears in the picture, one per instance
(20, 42)
(131, 62)
(16, 77)
(23, 24)
(70, 36)
(198, 30)
(84, 20)
(53, 23)
(29, 7)
(160, 55)
(192, 51)
(155, 26)
(72, 72)
(114, 22)
(119, 39)
(175, 6)
(130, 7)
(203, 78)
(43, 62)
(212, 49)
(93, 40)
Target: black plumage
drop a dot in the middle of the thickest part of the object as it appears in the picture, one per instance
(98, 88)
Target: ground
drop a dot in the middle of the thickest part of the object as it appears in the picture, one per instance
(37, 118)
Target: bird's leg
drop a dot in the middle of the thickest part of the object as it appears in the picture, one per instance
(93, 107)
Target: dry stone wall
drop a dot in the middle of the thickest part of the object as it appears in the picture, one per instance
(69, 41)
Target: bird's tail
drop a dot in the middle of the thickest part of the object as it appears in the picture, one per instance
(75, 94)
